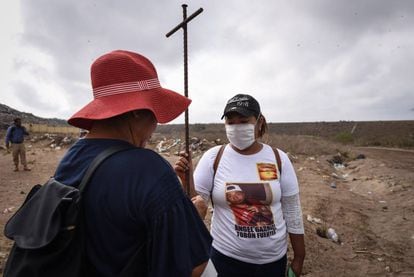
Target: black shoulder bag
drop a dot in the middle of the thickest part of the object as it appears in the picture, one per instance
(48, 231)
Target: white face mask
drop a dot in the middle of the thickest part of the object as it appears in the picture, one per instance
(241, 135)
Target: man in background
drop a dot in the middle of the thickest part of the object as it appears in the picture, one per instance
(15, 136)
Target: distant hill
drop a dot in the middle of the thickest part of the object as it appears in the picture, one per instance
(367, 133)
(7, 115)
(373, 133)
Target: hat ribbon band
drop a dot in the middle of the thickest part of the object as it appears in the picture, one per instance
(126, 87)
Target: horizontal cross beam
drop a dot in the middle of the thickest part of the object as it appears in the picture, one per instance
(182, 24)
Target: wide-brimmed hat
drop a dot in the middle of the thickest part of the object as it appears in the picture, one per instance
(124, 81)
(243, 104)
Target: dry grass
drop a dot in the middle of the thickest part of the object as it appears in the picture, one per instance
(305, 145)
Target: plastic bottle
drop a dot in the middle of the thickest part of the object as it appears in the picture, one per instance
(332, 235)
(290, 272)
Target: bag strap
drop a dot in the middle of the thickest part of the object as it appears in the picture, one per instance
(215, 166)
(217, 159)
(278, 160)
(98, 160)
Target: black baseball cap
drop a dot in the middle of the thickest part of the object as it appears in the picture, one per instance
(243, 104)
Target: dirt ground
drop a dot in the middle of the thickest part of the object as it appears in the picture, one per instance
(369, 203)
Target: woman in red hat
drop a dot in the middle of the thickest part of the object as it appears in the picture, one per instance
(249, 240)
(134, 199)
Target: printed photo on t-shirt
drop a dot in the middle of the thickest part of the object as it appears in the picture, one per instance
(250, 204)
(267, 171)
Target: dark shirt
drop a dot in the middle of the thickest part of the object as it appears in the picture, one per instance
(15, 134)
(135, 198)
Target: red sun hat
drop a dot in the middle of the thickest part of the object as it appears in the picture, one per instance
(124, 81)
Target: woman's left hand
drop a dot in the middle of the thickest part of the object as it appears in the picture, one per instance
(200, 205)
(297, 265)
(299, 253)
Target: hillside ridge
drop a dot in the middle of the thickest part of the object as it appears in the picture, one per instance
(7, 114)
(397, 133)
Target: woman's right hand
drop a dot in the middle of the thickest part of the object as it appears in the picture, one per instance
(182, 165)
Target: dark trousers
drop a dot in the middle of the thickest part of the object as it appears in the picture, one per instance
(229, 267)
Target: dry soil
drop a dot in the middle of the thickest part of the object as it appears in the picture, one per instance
(369, 203)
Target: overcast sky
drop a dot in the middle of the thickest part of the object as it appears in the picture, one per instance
(302, 60)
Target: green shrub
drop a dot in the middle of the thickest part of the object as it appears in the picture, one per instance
(344, 137)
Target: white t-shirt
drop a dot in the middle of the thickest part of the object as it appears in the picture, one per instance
(247, 222)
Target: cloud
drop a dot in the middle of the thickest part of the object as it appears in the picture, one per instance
(24, 91)
(304, 61)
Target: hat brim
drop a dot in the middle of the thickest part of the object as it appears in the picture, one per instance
(239, 110)
(165, 104)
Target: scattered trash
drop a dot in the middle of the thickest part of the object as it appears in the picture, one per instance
(333, 174)
(365, 251)
(329, 233)
(3, 255)
(333, 185)
(291, 156)
(194, 140)
(383, 206)
(69, 140)
(380, 259)
(197, 145)
(338, 166)
(360, 157)
(313, 219)
(337, 159)
(160, 147)
(8, 210)
(165, 145)
(387, 269)
(332, 235)
(336, 176)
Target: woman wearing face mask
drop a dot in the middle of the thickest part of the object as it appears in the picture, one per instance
(241, 247)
